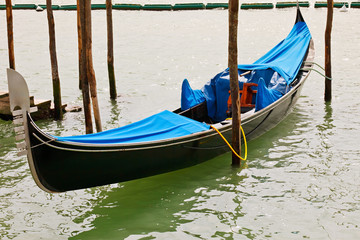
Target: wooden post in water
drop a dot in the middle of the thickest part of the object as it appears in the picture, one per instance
(83, 67)
(9, 20)
(90, 68)
(110, 56)
(87, 48)
(79, 40)
(54, 66)
(234, 82)
(330, 10)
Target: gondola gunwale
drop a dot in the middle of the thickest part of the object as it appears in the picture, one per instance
(123, 147)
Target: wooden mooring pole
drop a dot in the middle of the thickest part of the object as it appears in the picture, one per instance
(79, 40)
(330, 10)
(86, 35)
(110, 56)
(58, 114)
(9, 20)
(83, 67)
(234, 82)
(90, 68)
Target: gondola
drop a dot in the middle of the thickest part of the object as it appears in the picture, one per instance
(169, 140)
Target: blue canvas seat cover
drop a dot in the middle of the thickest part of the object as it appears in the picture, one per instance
(287, 56)
(277, 68)
(190, 97)
(161, 126)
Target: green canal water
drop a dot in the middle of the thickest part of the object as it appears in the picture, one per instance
(302, 177)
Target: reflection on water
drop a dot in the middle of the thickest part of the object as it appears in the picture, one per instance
(169, 197)
(325, 129)
(114, 113)
(301, 181)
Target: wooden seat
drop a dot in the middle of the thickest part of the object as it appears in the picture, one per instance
(246, 96)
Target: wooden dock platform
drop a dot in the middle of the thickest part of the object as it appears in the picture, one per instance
(45, 108)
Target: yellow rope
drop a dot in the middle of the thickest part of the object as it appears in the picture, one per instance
(242, 130)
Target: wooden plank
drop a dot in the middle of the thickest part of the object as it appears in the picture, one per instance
(42, 103)
(32, 101)
(4, 94)
(43, 110)
(5, 107)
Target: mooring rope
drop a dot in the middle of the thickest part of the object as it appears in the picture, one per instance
(312, 69)
(244, 159)
(315, 64)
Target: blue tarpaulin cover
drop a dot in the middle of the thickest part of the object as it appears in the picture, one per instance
(163, 125)
(267, 95)
(287, 56)
(190, 97)
(273, 72)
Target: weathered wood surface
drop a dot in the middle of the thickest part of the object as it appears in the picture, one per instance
(58, 112)
(234, 84)
(79, 41)
(83, 69)
(110, 56)
(5, 106)
(90, 68)
(45, 108)
(44, 111)
(9, 20)
(330, 10)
